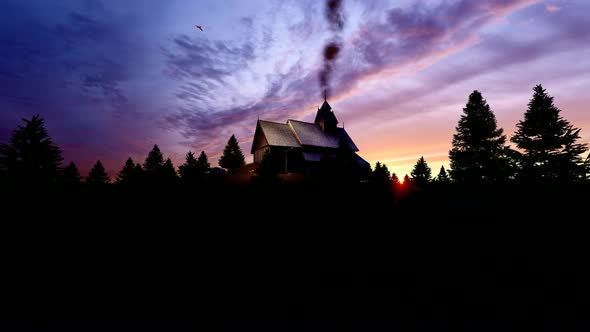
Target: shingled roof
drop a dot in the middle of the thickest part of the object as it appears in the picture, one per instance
(298, 133)
(312, 134)
(278, 134)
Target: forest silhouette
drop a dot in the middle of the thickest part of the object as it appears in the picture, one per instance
(496, 242)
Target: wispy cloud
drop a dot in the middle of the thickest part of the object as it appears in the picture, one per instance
(402, 38)
(413, 38)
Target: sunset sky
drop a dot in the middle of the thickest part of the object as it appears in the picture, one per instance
(114, 77)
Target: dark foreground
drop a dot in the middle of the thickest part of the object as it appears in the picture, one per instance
(346, 259)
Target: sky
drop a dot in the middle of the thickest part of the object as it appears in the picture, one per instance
(111, 78)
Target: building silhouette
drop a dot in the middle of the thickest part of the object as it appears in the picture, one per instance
(304, 145)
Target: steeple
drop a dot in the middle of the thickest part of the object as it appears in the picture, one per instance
(326, 118)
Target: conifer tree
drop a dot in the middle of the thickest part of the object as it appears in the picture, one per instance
(139, 174)
(442, 176)
(421, 174)
(190, 169)
(232, 157)
(70, 174)
(552, 152)
(381, 173)
(479, 154)
(128, 173)
(154, 162)
(169, 175)
(203, 166)
(407, 180)
(394, 179)
(31, 156)
(97, 175)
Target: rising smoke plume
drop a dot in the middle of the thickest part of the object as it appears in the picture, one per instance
(335, 19)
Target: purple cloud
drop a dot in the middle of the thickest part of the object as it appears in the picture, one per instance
(411, 36)
(400, 38)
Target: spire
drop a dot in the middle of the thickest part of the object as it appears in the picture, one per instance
(325, 117)
(326, 107)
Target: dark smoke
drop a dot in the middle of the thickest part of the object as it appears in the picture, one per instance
(334, 14)
(335, 19)
(331, 51)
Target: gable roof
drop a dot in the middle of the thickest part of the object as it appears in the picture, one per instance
(296, 133)
(278, 134)
(312, 134)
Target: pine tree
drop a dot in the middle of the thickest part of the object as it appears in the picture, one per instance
(479, 154)
(203, 166)
(232, 157)
(97, 174)
(189, 170)
(139, 174)
(31, 156)
(421, 174)
(154, 162)
(169, 175)
(381, 173)
(407, 180)
(375, 172)
(551, 151)
(442, 176)
(394, 179)
(194, 170)
(70, 174)
(129, 173)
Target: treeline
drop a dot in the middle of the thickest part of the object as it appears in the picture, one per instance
(549, 151)
(31, 157)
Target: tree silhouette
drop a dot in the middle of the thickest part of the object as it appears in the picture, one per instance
(154, 162)
(442, 176)
(421, 174)
(139, 174)
(407, 180)
(31, 156)
(551, 152)
(194, 170)
(479, 154)
(232, 157)
(394, 179)
(189, 170)
(129, 174)
(203, 166)
(97, 175)
(169, 175)
(381, 173)
(70, 174)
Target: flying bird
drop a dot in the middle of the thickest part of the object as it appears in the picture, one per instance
(199, 27)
